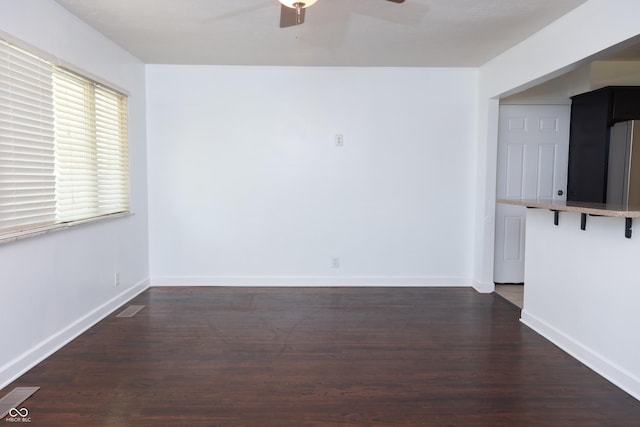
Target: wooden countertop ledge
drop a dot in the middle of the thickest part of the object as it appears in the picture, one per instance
(600, 209)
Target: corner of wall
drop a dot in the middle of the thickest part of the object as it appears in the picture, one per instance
(21, 364)
(601, 365)
(483, 287)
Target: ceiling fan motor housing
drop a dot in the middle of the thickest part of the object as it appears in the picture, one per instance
(290, 18)
(294, 4)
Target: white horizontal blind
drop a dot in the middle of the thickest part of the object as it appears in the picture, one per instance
(90, 147)
(63, 146)
(76, 180)
(27, 189)
(112, 151)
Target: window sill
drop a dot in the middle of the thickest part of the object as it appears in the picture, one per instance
(25, 234)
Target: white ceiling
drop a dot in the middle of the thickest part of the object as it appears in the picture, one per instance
(432, 33)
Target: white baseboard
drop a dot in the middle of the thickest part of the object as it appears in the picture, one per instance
(484, 288)
(20, 365)
(311, 281)
(609, 370)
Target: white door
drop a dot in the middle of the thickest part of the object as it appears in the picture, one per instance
(533, 146)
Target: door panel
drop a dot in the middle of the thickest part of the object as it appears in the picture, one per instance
(546, 171)
(515, 164)
(533, 145)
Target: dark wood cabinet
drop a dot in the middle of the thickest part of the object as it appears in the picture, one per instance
(592, 115)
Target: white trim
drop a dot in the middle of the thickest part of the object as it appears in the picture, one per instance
(32, 232)
(29, 359)
(604, 367)
(484, 287)
(310, 281)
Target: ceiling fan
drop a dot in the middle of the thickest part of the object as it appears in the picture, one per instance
(292, 11)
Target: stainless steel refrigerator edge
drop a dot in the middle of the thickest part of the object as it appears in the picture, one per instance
(623, 177)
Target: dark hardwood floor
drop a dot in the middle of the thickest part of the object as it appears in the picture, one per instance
(319, 356)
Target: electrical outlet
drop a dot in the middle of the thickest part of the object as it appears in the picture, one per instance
(339, 140)
(116, 279)
(335, 263)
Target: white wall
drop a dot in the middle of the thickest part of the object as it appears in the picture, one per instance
(572, 40)
(591, 76)
(591, 324)
(565, 45)
(53, 286)
(557, 91)
(274, 200)
(581, 291)
(615, 73)
(248, 187)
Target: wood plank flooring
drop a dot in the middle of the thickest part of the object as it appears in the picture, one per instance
(514, 293)
(319, 357)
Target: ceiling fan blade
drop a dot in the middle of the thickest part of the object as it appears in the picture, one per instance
(289, 17)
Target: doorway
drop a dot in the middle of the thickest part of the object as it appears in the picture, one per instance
(533, 146)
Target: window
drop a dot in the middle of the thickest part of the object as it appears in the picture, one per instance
(63, 146)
